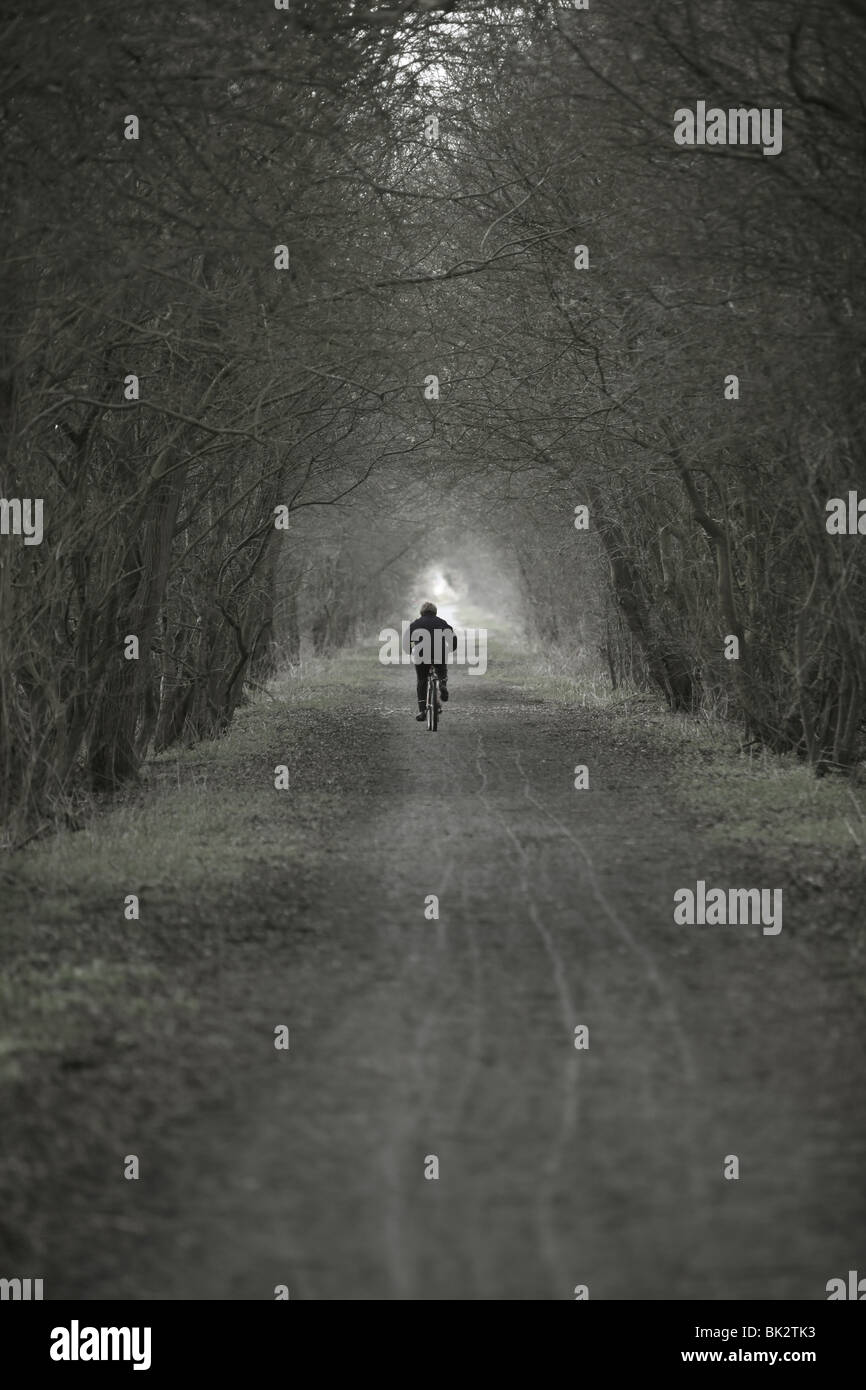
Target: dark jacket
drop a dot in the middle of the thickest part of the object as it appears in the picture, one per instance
(438, 647)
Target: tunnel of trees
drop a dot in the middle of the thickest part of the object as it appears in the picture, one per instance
(294, 297)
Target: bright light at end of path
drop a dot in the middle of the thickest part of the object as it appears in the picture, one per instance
(436, 586)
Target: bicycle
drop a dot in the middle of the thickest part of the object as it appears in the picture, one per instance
(434, 704)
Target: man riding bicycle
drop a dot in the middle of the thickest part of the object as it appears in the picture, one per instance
(430, 638)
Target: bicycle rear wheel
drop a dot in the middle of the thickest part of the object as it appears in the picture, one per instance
(432, 704)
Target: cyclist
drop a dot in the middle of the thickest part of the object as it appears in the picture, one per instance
(440, 638)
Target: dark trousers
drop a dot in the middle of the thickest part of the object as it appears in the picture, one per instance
(421, 673)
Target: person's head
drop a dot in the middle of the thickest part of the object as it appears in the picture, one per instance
(427, 608)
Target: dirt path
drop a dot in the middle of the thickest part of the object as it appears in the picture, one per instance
(454, 1037)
